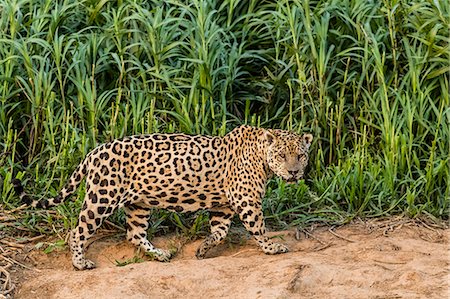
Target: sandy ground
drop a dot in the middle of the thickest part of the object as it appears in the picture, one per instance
(382, 260)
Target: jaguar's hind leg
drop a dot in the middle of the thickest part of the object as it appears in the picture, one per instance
(89, 220)
(137, 225)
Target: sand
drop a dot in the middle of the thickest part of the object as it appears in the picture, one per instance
(378, 260)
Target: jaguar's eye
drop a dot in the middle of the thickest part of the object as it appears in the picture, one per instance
(301, 158)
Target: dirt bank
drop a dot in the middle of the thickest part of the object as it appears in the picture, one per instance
(382, 260)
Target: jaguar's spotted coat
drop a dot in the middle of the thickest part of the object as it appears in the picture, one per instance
(178, 172)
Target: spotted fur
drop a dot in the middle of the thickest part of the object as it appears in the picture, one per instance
(226, 175)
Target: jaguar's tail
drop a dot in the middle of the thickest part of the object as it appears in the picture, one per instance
(74, 181)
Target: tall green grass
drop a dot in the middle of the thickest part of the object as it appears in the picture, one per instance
(369, 79)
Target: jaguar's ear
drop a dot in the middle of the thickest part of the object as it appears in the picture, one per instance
(307, 140)
(270, 138)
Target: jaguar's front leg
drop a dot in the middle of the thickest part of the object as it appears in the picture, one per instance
(251, 216)
(220, 220)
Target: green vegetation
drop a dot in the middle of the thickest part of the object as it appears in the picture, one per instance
(370, 80)
(133, 260)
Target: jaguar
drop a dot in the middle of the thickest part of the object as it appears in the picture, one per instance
(182, 173)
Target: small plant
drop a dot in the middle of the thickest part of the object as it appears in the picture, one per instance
(50, 247)
(134, 260)
(198, 227)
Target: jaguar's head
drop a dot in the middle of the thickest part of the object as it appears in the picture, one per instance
(287, 153)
